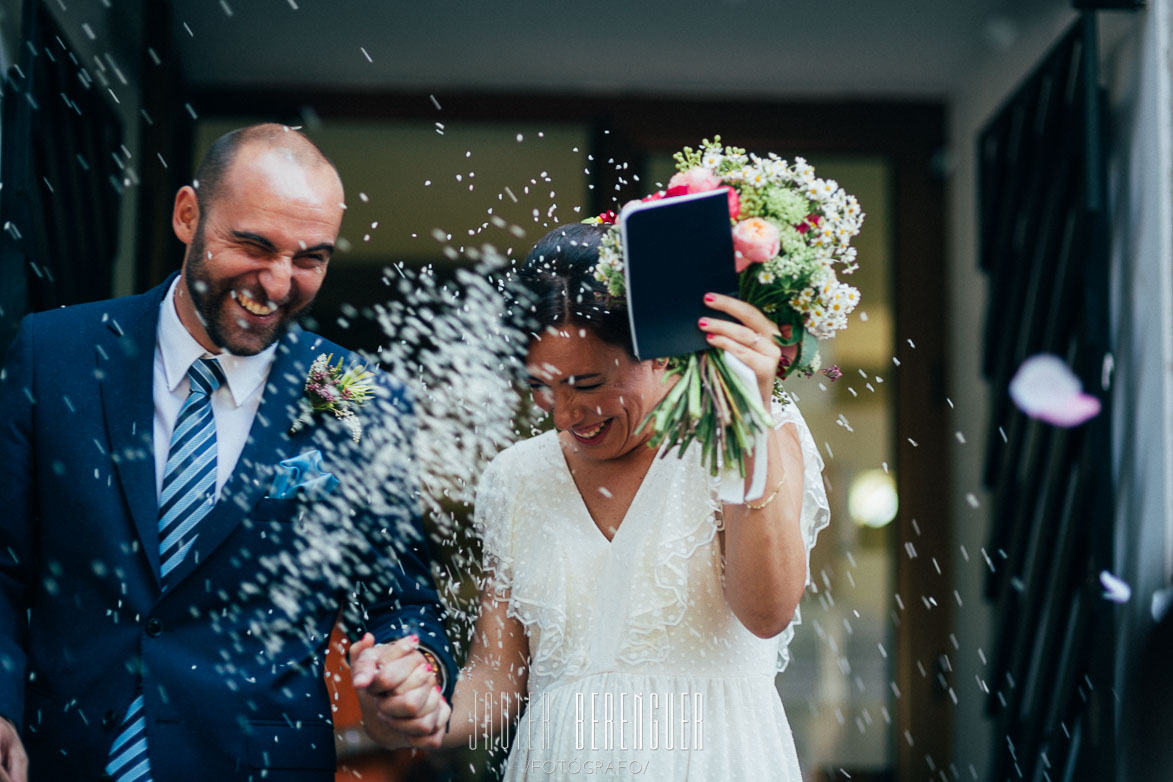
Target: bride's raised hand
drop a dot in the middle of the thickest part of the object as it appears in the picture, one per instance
(751, 338)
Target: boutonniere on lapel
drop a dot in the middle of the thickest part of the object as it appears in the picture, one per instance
(329, 389)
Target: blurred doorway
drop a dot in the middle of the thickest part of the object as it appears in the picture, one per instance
(868, 684)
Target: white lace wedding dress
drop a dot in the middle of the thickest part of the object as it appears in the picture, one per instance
(639, 667)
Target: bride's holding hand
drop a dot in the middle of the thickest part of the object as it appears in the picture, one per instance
(637, 620)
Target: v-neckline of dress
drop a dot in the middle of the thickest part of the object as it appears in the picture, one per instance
(584, 511)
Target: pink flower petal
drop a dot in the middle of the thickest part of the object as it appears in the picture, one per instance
(1044, 388)
(1073, 412)
(1115, 589)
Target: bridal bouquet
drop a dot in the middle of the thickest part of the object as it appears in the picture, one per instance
(792, 237)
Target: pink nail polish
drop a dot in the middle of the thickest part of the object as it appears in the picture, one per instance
(439, 690)
(703, 322)
(710, 298)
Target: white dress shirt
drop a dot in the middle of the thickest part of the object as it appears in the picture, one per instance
(234, 404)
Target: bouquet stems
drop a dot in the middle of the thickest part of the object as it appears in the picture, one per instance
(713, 405)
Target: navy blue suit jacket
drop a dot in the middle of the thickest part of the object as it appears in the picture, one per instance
(230, 657)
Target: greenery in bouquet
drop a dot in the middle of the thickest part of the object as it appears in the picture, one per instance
(792, 235)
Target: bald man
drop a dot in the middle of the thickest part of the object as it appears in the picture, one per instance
(181, 524)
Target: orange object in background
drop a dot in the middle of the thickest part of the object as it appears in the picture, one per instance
(347, 713)
(359, 758)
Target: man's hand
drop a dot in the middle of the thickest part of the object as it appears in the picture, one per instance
(14, 764)
(396, 683)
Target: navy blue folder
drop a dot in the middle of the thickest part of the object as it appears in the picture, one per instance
(676, 250)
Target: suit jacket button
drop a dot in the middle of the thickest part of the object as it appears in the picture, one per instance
(154, 627)
(109, 719)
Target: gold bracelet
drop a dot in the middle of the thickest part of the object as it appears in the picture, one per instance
(768, 500)
(437, 671)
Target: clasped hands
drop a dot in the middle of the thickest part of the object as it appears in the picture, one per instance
(399, 691)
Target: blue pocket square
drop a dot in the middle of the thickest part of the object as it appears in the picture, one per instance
(302, 474)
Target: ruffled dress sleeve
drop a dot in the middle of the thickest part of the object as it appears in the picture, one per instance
(517, 507)
(816, 513)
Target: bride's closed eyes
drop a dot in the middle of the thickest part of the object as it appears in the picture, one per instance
(536, 385)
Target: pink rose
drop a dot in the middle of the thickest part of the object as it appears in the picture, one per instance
(653, 197)
(696, 180)
(754, 241)
(734, 203)
(702, 180)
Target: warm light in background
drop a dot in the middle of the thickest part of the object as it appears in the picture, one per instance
(872, 500)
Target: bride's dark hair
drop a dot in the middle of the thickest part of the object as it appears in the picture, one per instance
(558, 276)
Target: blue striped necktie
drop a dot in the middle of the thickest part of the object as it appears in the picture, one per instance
(189, 490)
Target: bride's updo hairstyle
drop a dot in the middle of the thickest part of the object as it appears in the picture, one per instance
(559, 280)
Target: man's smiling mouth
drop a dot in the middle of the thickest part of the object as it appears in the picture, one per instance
(252, 306)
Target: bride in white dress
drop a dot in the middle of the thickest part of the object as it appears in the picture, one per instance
(635, 621)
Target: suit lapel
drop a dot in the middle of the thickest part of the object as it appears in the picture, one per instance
(268, 443)
(125, 362)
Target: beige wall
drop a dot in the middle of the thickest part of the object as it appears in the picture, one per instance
(990, 82)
